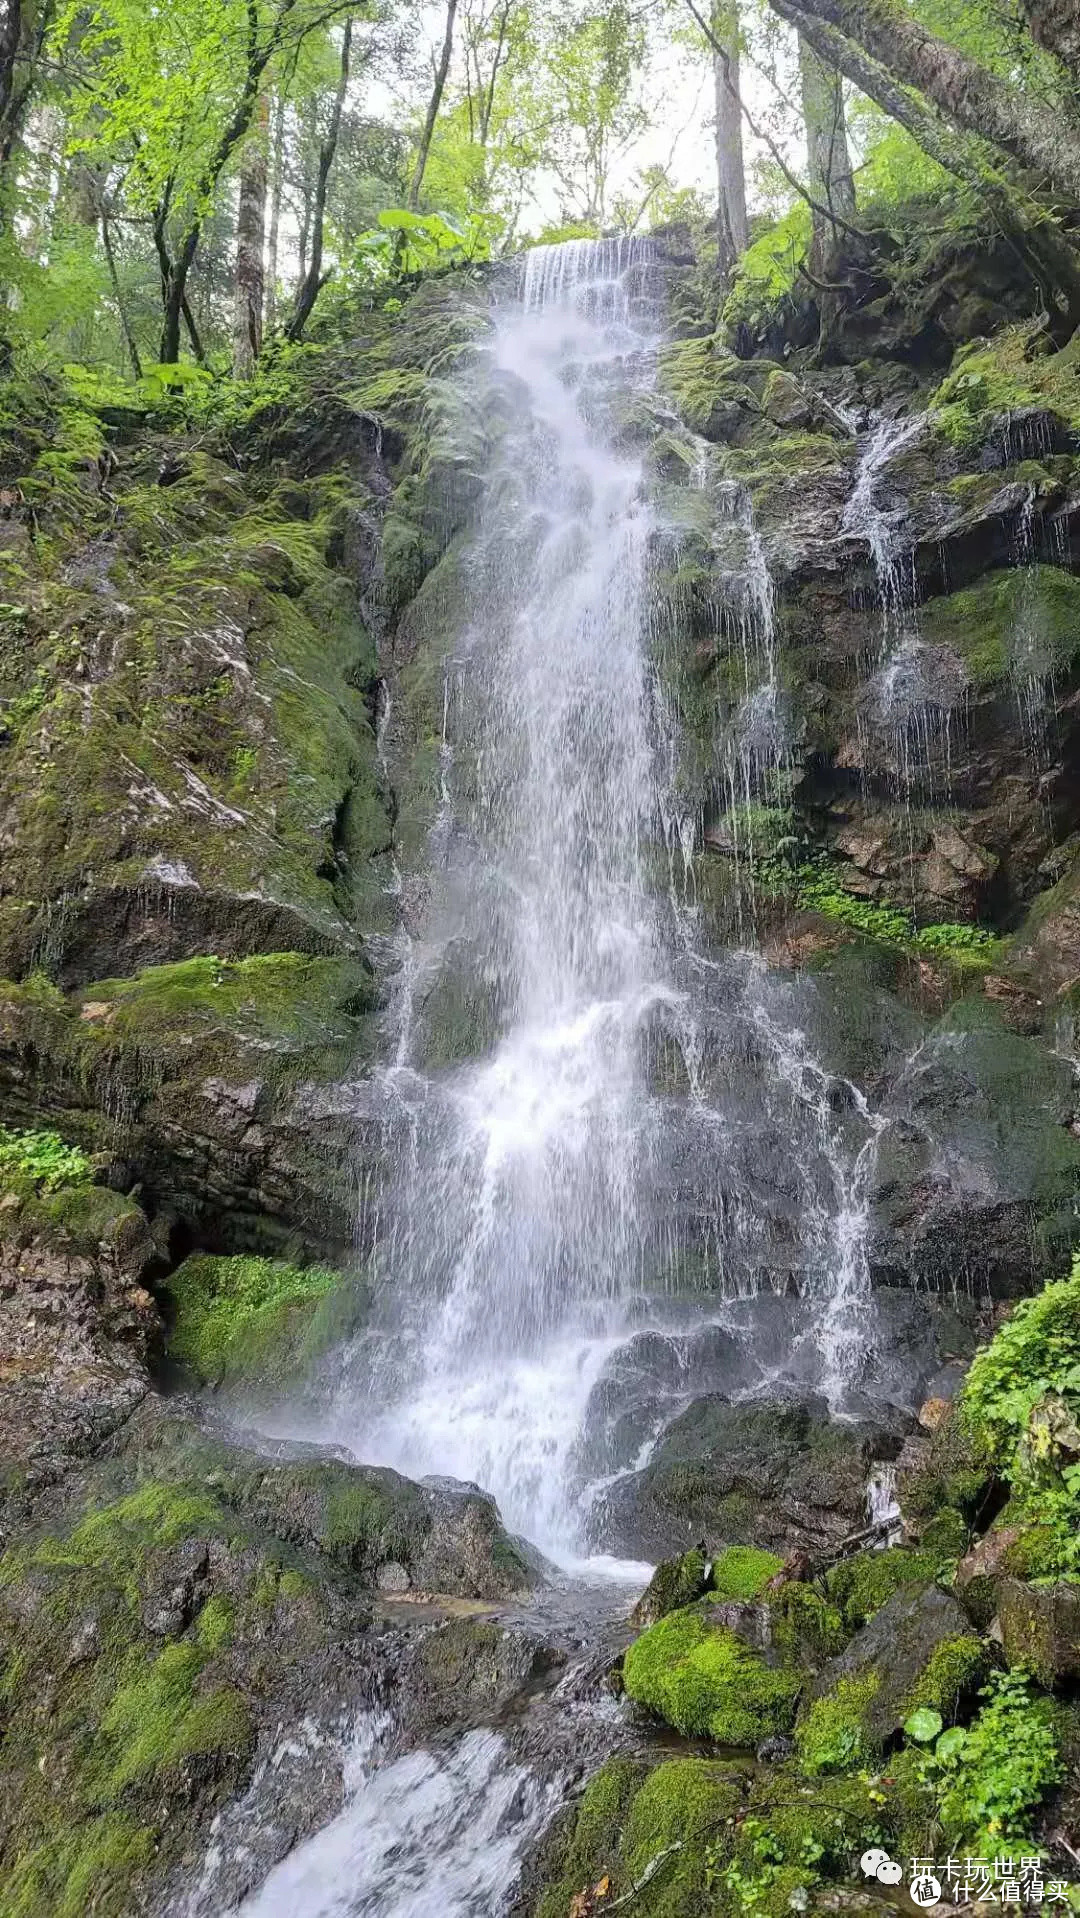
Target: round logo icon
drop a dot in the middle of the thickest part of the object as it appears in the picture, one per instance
(925, 1890)
(889, 1873)
(872, 1859)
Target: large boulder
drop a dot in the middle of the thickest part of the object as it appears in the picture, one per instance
(918, 1650)
(776, 1473)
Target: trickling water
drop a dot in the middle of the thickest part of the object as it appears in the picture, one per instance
(879, 525)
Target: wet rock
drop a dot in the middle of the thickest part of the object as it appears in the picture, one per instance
(77, 1327)
(1040, 1629)
(776, 1474)
(675, 1582)
(976, 1146)
(447, 1537)
(468, 1671)
(917, 1650)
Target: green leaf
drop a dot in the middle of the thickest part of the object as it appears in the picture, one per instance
(924, 1725)
(950, 1742)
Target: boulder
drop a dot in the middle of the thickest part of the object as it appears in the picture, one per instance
(918, 1649)
(771, 1473)
(1040, 1629)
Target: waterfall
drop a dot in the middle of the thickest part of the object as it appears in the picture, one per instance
(632, 1129)
(514, 1223)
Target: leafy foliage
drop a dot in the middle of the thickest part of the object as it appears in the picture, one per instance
(989, 1780)
(42, 1159)
(1021, 1400)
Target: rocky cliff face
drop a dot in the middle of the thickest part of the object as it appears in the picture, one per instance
(221, 707)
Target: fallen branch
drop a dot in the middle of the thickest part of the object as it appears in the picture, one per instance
(647, 1875)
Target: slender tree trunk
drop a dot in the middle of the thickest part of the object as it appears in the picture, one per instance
(732, 233)
(277, 169)
(24, 25)
(964, 90)
(250, 226)
(829, 162)
(114, 281)
(308, 290)
(441, 71)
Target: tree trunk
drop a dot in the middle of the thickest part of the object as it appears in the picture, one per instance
(277, 169)
(114, 281)
(308, 290)
(1055, 25)
(732, 233)
(250, 225)
(1053, 263)
(441, 71)
(965, 91)
(829, 162)
(24, 25)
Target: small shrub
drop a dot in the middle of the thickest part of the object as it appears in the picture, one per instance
(989, 1781)
(40, 1159)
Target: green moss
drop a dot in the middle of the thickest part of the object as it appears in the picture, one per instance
(950, 1678)
(742, 1571)
(245, 1318)
(861, 1584)
(1024, 621)
(157, 1719)
(831, 1735)
(117, 1538)
(215, 1624)
(945, 1537)
(690, 1803)
(992, 377)
(952, 1476)
(805, 1627)
(92, 1867)
(706, 1682)
(629, 1815)
(796, 1838)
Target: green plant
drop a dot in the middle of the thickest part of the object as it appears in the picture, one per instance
(817, 886)
(41, 1159)
(1021, 1403)
(989, 1780)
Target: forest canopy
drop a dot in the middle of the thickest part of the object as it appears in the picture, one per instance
(184, 186)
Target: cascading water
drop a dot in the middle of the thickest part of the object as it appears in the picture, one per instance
(634, 1138)
(514, 1228)
(628, 1120)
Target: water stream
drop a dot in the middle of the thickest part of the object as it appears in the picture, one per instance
(636, 1136)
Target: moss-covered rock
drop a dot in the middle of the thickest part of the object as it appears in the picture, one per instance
(918, 1649)
(680, 1813)
(766, 1474)
(676, 1582)
(742, 1572)
(183, 1601)
(1023, 623)
(252, 1323)
(860, 1585)
(703, 1679)
(205, 1079)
